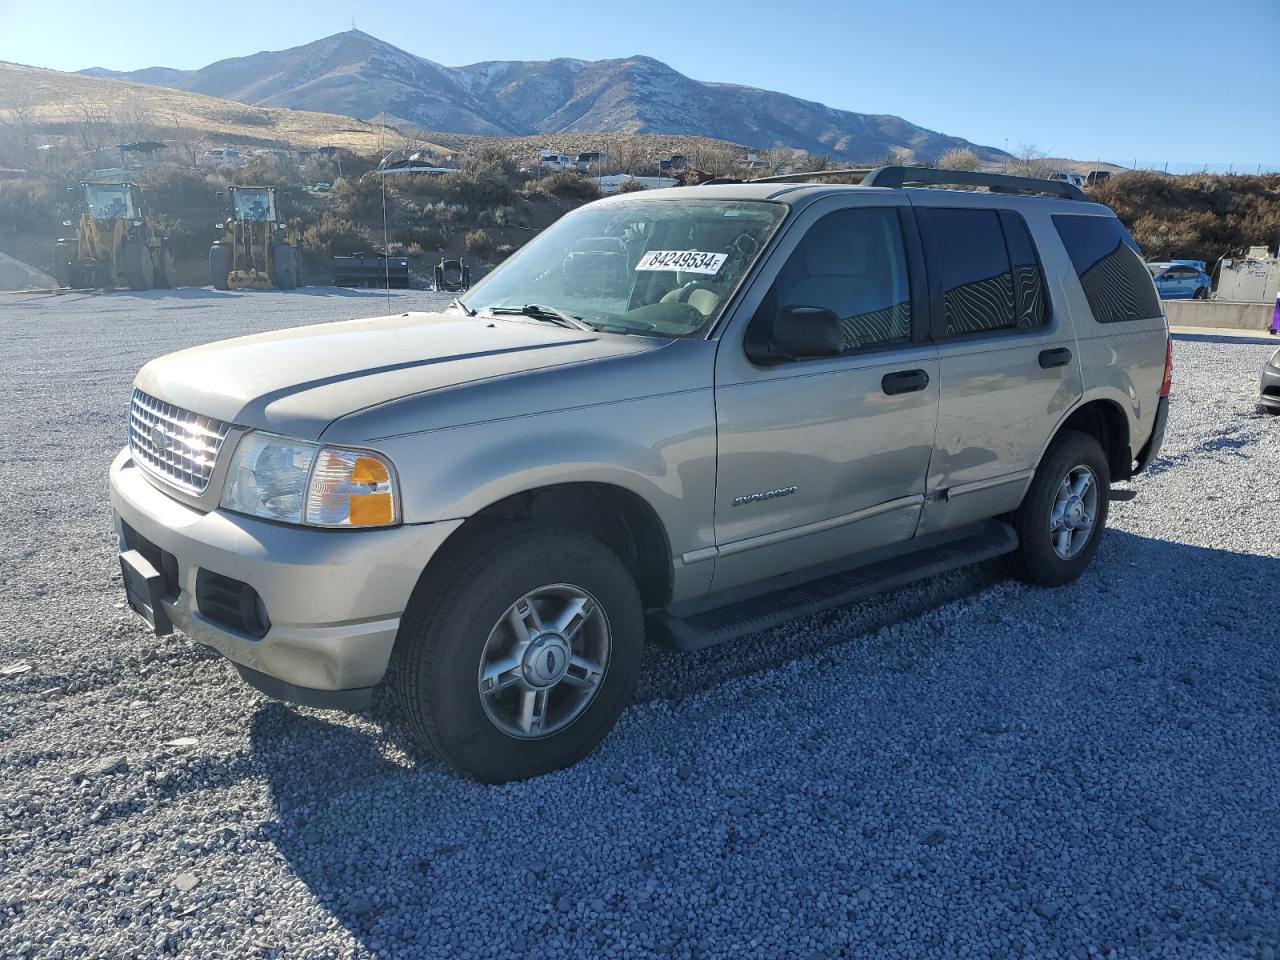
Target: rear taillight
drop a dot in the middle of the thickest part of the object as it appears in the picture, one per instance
(1168, 368)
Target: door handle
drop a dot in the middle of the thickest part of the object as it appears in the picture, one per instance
(1057, 357)
(904, 381)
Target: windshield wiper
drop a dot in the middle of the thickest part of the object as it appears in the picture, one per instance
(457, 302)
(540, 312)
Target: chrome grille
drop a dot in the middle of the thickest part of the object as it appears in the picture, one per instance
(175, 444)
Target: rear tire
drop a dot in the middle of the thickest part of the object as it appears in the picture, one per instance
(285, 260)
(1053, 510)
(1201, 294)
(219, 266)
(138, 269)
(164, 275)
(472, 617)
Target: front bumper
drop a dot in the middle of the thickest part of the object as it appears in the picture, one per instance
(334, 598)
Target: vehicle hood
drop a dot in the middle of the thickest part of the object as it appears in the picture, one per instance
(298, 381)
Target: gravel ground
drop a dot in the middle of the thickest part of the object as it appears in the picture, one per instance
(971, 768)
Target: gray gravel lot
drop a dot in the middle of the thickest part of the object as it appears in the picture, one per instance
(971, 768)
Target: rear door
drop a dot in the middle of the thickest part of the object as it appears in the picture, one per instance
(1008, 369)
(820, 459)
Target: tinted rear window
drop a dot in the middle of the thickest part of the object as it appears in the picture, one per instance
(1116, 282)
(987, 268)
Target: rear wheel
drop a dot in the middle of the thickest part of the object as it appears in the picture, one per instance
(139, 271)
(1201, 293)
(520, 654)
(1064, 512)
(164, 276)
(219, 265)
(285, 261)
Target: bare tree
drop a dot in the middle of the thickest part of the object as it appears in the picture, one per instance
(1029, 161)
(189, 145)
(780, 158)
(958, 158)
(134, 119)
(93, 126)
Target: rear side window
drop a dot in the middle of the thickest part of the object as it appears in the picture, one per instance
(1116, 282)
(986, 265)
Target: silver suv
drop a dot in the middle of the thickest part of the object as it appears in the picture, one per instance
(680, 415)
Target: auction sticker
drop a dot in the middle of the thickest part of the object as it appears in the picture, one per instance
(686, 261)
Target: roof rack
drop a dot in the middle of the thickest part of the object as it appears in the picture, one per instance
(899, 176)
(813, 175)
(995, 182)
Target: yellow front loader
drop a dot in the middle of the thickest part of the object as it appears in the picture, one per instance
(257, 250)
(116, 244)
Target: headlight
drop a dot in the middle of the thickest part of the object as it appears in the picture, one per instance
(300, 482)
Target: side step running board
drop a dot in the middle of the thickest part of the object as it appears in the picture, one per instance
(921, 561)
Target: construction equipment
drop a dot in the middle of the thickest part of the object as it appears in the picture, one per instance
(116, 244)
(371, 270)
(453, 276)
(257, 251)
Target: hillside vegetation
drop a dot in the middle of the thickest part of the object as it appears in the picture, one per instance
(1200, 216)
(94, 112)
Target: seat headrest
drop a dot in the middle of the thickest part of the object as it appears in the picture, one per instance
(835, 252)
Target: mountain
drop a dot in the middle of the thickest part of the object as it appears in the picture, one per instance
(356, 74)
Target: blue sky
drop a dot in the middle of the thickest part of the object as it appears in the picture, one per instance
(1173, 81)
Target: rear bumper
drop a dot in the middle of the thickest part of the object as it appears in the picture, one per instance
(1152, 448)
(333, 597)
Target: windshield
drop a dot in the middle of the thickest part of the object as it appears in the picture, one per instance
(107, 201)
(665, 267)
(256, 205)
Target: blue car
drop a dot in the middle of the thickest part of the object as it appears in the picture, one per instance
(1180, 281)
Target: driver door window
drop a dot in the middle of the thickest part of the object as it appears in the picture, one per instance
(852, 262)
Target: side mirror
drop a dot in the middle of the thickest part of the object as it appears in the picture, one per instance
(800, 333)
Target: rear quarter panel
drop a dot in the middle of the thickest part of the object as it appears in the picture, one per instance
(1120, 362)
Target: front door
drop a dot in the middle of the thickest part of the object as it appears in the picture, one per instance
(821, 459)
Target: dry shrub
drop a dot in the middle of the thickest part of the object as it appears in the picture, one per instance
(570, 186)
(479, 243)
(1202, 216)
(333, 236)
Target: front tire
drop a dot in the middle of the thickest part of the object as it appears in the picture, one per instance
(1061, 518)
(138, 269)
(285, 262)
(517, 658)
(219, 266)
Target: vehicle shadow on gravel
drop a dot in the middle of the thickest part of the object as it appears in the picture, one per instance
(1099, 759)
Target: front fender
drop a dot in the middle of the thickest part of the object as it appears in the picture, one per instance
(660, 448)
